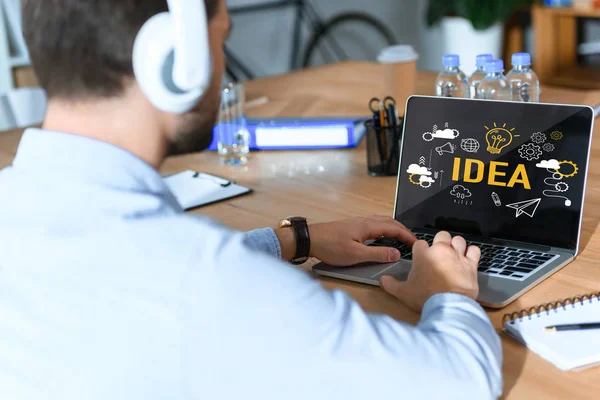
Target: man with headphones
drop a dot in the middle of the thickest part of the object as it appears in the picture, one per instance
(109, 291)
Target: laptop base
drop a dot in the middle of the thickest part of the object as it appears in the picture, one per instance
(494, 291)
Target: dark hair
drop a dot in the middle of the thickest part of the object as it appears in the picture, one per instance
(83, 48)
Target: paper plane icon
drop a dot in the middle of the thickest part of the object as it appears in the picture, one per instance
(527, 207)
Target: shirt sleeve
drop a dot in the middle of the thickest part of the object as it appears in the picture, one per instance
(263, 240)
(274, 331)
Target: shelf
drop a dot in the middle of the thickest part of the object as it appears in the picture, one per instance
(576, 78)
(572, 12)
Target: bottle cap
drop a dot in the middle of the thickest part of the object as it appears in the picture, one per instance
(451, 60)
(521, 59)
(494, 66)
(483, 59)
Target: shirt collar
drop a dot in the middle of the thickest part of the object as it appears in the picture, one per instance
(90, 160)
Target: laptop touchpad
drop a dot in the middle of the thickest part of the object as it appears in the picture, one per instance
(398, 270)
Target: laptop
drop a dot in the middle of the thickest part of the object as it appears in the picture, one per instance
(510, 177)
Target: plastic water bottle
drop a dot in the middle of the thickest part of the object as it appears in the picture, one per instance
(524, 83)
(451, 82)
(479, 74)
(495, 85)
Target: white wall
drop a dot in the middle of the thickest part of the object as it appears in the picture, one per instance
(430, 43)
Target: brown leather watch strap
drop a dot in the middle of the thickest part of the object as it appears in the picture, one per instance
(300, 227)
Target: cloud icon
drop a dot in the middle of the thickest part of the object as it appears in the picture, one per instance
(415, 169)
(549, 164)
(426, 179)
(446, 134)
(441, 134)
(460, 192)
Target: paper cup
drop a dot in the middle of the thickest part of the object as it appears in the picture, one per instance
(399, 73)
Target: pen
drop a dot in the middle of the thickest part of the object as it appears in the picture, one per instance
(572, 327)
(377, 129)
(383, 133)
(395, 146)
(384, 121)
(391, 115)
(376, 120)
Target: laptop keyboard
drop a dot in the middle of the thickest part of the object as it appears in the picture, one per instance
(499, 261)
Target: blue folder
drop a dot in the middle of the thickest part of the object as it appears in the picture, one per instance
(301, 133)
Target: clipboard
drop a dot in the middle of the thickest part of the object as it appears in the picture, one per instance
(194, 189)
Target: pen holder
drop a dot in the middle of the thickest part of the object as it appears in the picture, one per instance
(383, 149)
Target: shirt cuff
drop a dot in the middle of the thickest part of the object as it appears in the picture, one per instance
(263, 240)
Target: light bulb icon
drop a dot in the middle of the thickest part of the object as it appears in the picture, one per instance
(498, 138)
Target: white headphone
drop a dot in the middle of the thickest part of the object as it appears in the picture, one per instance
(171, 56)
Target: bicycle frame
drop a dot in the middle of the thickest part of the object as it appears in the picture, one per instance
(304, 13)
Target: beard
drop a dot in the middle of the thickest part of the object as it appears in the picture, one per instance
(194, 129)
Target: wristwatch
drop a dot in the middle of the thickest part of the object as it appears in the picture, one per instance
(300, 227)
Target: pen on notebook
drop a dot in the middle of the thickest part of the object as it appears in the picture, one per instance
(572, 327)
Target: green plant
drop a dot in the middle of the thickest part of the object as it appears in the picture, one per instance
(481, 13)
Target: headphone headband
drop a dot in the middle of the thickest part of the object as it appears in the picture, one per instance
(190, 27)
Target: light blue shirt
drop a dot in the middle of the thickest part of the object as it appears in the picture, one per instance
(109, 291)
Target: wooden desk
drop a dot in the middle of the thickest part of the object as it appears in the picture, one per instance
(329, 185)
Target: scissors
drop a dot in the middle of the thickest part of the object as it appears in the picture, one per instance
(375, 104)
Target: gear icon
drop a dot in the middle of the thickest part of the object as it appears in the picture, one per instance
(572, 164)
(410, 178)
(548, 147)
(530, 152)
(425, 184)
(561, 187)
(428, 136)
(539, 137)
(556, 135)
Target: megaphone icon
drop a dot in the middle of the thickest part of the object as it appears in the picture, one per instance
(447, 148)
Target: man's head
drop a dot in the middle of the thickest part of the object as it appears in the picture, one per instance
(81, 51)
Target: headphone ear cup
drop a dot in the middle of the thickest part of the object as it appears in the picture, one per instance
(153, 57)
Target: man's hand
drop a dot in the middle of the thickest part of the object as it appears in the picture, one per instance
(340, 243)
(445, 267)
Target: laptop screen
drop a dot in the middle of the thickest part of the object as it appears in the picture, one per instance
(513, 171)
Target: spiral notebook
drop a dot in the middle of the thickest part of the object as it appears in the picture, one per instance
(193, 189)
(568, 350)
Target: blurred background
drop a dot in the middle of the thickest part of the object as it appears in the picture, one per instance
(262, 39)
(565, 34)
(277, 36)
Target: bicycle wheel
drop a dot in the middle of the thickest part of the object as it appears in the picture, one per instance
(355, 36)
